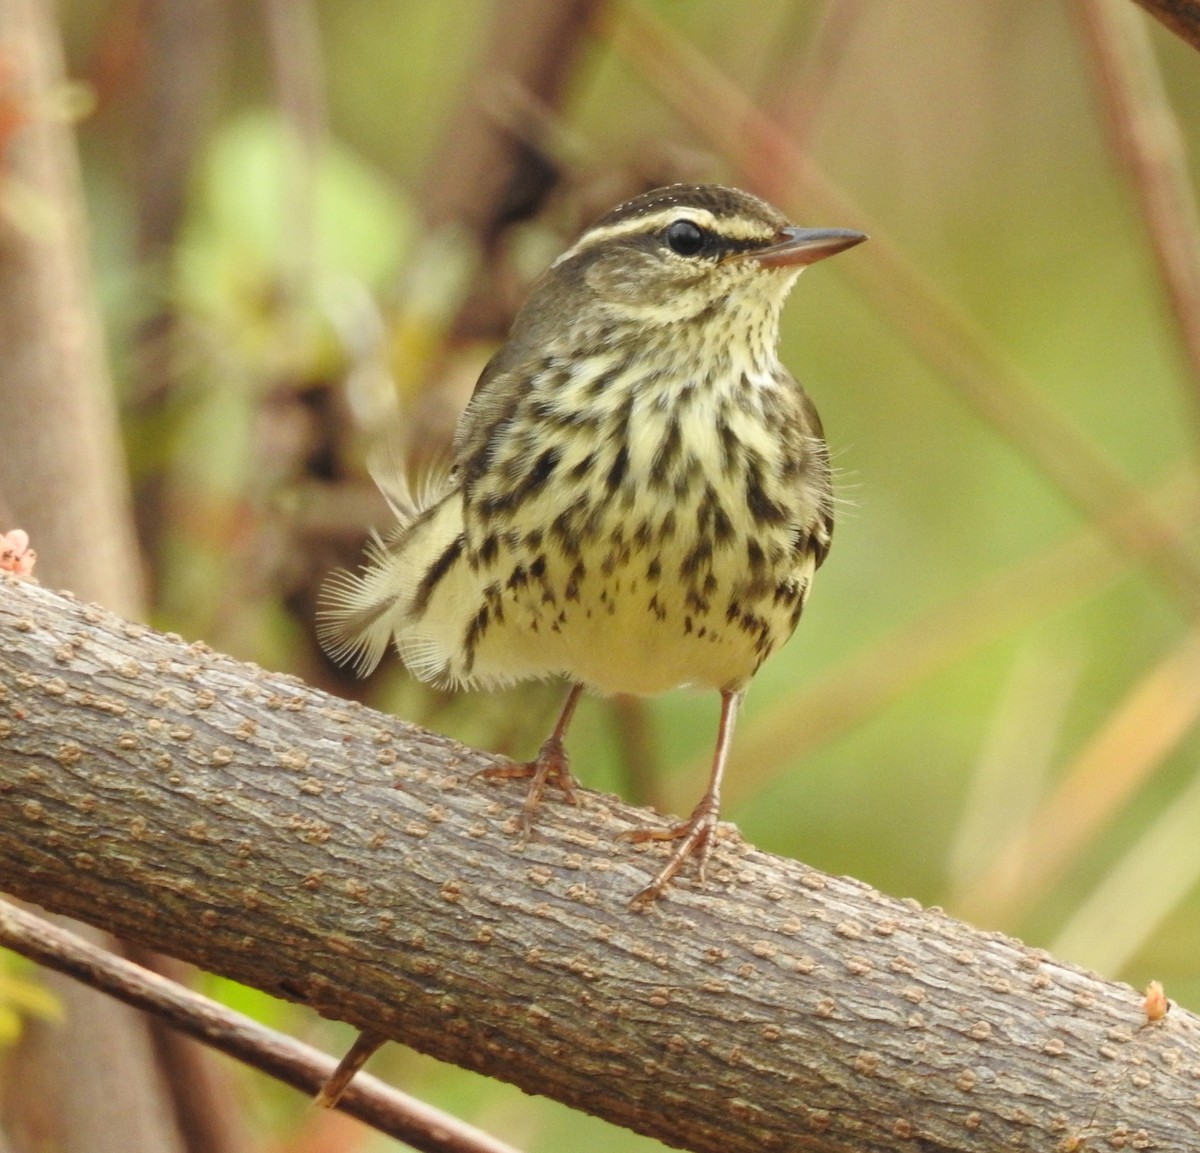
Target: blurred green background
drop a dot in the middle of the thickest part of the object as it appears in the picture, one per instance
(991, 704)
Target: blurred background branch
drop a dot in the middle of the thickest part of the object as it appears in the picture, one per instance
(1148, 140)
(1181, 16)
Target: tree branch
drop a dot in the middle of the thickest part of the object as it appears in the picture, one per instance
(288, 1060)
(328, 854)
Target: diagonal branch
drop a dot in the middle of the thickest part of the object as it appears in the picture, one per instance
(288, 1060)
(1149, 141)
(329, 854)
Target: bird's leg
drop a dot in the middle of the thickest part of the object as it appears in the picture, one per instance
(550, 765)
(696, 834)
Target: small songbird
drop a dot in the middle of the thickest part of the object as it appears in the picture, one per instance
(640, 491)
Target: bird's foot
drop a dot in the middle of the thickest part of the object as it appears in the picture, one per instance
(550, 766)
(695, 837)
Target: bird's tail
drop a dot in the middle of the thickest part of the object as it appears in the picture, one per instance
(359, 613)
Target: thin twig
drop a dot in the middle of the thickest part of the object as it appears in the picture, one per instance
(1148, 139)
(288, 1060)
(1181, 16)
(365, 1046)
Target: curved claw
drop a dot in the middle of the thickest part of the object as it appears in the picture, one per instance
(695, 836)
(550, 766)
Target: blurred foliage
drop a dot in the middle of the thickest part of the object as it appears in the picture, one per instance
(300, 306)
(22, 996)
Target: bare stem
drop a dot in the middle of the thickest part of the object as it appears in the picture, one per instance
(288, 1060)
(1149, 141)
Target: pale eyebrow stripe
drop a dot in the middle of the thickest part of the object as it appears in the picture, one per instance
(653, 221)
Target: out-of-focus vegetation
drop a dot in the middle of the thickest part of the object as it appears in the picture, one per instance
(992, 703)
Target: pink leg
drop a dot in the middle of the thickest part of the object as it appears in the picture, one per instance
(695, 835)
(551, 764)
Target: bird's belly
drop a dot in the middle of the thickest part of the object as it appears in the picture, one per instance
(623, 644)
(628, 619)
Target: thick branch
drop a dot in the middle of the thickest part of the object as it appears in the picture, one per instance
(328, 854)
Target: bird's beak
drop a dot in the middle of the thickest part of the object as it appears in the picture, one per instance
(798, 247)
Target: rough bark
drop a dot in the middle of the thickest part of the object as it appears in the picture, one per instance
(332, 855)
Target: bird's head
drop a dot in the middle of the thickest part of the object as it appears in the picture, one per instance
(689, 251)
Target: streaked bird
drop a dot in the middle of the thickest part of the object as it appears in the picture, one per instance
(640, 491)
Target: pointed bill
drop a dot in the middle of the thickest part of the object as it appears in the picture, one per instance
(797, 247)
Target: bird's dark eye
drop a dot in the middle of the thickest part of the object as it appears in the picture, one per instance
(685, 238)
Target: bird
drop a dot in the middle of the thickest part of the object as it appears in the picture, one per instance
(639, 492)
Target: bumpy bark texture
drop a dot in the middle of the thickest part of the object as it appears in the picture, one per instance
(331, 855)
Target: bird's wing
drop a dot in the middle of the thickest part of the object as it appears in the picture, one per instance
(493, 402)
